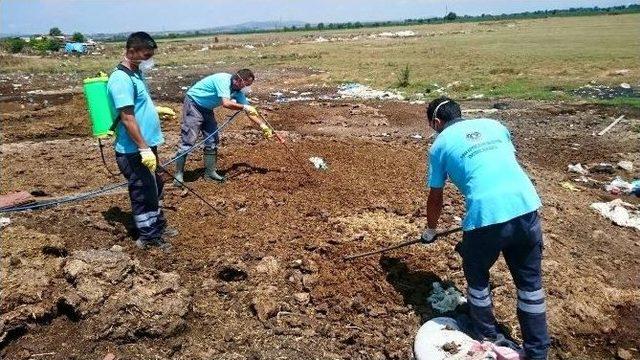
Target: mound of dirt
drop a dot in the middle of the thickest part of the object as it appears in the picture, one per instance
(119, 299)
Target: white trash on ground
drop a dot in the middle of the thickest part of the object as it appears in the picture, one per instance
(361, 91)
(443, 300)
(625, 165)
(618, 186)
(577, 168)
(4, 221)
(620, 212)
(319, 163)
(441, 338)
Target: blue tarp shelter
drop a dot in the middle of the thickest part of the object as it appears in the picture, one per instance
(75, 48)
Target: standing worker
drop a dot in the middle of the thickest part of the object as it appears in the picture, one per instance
(501, 216)
(197, 116)
(138, 134)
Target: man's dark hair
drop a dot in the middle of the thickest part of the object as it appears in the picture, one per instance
(141, 41)
(449, 110)
(246, 75)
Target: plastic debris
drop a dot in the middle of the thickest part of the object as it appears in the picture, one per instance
(361, 91)
(577, 168)
(602, 168)
(319, 163)
(625, 165)
(441, 338)
(619, 212)
(636, 188)
(569, 186)
(618, 186)
(416, 136)
(443, 300)
(4, 221)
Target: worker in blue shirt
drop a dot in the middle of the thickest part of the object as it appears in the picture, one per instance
(138, 135)
(221, 89)
(477, 155)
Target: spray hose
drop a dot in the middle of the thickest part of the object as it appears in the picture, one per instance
(95, 193)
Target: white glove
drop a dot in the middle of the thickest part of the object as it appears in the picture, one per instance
(429, 236)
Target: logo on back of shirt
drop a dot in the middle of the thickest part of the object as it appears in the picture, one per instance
(474, 136)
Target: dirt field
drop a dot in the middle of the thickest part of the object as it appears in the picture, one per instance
(266, 280)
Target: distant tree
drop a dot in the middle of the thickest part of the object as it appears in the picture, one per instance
(55, 31)
(307, 26)
(451, 16)
(46, 44)
(320, 26)
(78, 37)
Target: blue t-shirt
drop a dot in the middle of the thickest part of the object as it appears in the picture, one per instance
(210, 91)
(479, 158)
(120, 88)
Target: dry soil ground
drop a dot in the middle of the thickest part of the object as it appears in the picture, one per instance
(266, 280)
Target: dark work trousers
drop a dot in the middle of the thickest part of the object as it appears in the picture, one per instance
(145, 192)
(520, 242)
(196, 119)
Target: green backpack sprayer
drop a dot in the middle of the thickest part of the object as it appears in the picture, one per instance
(102, 113)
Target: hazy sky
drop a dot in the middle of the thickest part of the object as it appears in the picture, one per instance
(111, 16)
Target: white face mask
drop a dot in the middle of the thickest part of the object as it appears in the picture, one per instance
(146, 65)
(246, 90)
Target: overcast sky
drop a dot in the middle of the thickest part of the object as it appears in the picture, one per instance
(112, 16)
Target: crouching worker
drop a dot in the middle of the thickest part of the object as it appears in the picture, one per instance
(501, 217)
(138, 134)
(221, 89)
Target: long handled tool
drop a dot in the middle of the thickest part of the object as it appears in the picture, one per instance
(281, 141)
(400, 245)
(161, 168)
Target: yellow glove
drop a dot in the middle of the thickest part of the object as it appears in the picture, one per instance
(250, 110)
(149, 159)
(266, 131)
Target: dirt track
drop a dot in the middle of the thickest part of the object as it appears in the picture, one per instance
(267, 280)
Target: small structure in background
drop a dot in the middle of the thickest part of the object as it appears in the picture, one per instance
(75, 48)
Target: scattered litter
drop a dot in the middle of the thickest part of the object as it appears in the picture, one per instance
(4, 221)
(445, 300)
(248, 46)
(605, 92)
(477, 96)
(577, 168)
(319, 163)
(276, 94)
(361, 91)
(321, 39)
(618, 186)
(610, 126)
(602, 168)
(626, 165)
(441, 338)
(625, 86)
(620, 212)
(184, 87)
(569, 186)
(635, 188)
(416, 136)
(406, 33)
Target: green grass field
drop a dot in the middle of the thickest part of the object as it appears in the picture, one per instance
(528, 59)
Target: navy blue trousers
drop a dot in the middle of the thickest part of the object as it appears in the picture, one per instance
(520, 242)
(145, 192)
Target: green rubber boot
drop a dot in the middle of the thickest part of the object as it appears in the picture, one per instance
(210, 161)
(179, 175)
